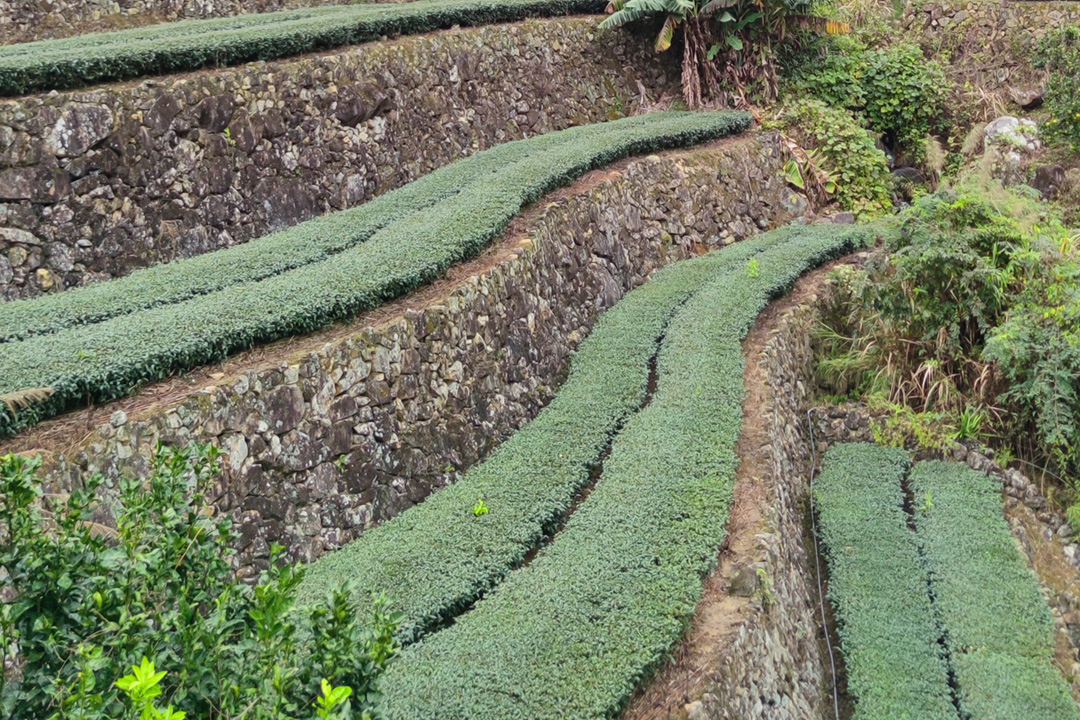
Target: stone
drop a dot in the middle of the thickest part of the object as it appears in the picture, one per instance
(80, 127)
(215, 112)
(910, 174)
(1021, 134)
(36, 184)
(1049, 180)
(1027, 98)
(18, 237)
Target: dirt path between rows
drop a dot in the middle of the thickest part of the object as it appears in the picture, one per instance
(695, 662)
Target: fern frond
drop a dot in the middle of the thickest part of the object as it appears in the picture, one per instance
(23, 398)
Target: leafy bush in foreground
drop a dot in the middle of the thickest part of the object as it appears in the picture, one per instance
(878, 585)
(997, 627)
(189, 45)
(436, 559)
(574, 632)
(1059, 52)
(82, 604)
(108, 359)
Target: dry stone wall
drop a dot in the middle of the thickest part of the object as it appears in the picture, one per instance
(988, 43)
(772, 670)
(328, 442)
(28, 20)
(95, 183)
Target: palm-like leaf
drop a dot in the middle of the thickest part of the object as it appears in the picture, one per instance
(667, 34)
(714, 5)
(628, 11)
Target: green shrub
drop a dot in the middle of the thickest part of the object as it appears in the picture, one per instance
(108, 359)
(998, 629)
(878, 585)
(82, 604)
(188, 45)
(857, 168)
(1059, 52)
(434, 558)
(574, 632)
(900, 93)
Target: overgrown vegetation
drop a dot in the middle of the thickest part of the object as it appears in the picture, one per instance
(1059, 53)
(192, 44)
(576, 629)
(997, 627)
(84, 602)
(878, 585)
(107, 359)
(968, 311)
(729, 46)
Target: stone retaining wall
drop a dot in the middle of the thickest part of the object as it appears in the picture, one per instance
(773, 669)
(988, 43)
(329, 441)
(95, 183)
(27, 20)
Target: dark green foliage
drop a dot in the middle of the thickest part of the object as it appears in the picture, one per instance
(438, 558)
(188, 45)
(856, 166)
(878, 585)
(998, 629)
(1059, 52)
(899, 92)
(573, 633)
(83, 603)
(108, 359)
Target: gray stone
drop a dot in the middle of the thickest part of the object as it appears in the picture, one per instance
(36, 184)
(79, 128)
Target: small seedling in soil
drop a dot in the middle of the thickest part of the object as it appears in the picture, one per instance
(480, 508)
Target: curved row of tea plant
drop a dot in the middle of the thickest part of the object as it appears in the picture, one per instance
(438, 558)
(192, 44)
(998, 629)
(303, 244)
(109, 359)
(877, 582)
(574, 632)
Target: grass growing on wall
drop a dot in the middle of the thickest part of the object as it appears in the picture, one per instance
(437, 558)
(878, 585)
(574, 632)
(108, 359)
(192, 44)
(998, 628)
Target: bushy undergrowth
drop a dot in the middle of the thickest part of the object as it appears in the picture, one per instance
(1059, 53)
(436, 557)
(82, 603)
(897, 91)
(574, 632)
(107, 359)
(878, 585)
(968, 317)
(188, 45)
(856, 169)
(997, 627)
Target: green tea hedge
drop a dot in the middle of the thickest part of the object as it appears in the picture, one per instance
(109, 359)
(998, 629)
(279, 252)
(436, 559)
(189, 45)
(573, 633)
(878, 585)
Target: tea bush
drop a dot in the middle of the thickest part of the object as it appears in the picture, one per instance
(107, 359)
(192, 44)
(572, 633)
(878, 585)
(82, 603)
(998, 629)
(436, 557)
